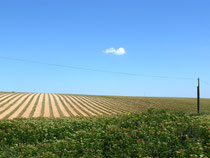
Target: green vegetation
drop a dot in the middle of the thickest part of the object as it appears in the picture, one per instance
(66, 108)
(84, 106)
(14, 110)
(150, 134)
(72, 106)
(132, 132)
(43, 106)
(57, 106)
(111, 105)
(142, 104)
(21, 113)
(10, 105)
(13, 96)
(90, 106)
(34, 107)
(51, 109)
(78, 106)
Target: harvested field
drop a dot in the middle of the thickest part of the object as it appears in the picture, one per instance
(34, 105)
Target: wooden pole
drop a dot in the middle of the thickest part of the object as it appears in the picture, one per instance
(198, 96)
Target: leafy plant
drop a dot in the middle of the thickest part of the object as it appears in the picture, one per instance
(150, 134)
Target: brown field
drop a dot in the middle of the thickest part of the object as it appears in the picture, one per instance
(28, 105)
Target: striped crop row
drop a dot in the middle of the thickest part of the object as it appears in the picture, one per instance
(29, 105)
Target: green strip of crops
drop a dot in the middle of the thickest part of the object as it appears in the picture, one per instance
(71, 106)
(78, 106)
(85, 106)
(3, 95)
(43, 106)
(64, 105)
(12, 104)
(95, 107)
(107, 105)
(16, 108)
(12, 97)
(150, 134)
(57, 106)
(102, 107)
(34, 107)
(25, 108)
(51, 109)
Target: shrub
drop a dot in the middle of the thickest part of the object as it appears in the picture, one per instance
(151, 134)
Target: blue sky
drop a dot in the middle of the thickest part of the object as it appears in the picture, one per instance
(160, 37)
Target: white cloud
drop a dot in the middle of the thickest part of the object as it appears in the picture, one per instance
(119, 51)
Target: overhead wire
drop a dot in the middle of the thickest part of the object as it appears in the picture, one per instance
(206, 83)
(95, 70)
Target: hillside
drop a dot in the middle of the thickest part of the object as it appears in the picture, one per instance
(33, 105)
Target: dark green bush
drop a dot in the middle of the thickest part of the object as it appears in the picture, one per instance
(152, 134)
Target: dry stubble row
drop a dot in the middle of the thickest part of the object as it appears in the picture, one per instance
(28, 105)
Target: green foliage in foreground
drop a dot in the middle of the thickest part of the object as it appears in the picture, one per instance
(152, 134)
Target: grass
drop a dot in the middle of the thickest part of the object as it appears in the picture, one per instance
(4, 94)
(152, 134)
(25, 108)
(12, 97)
(142, 104)
(66, 108)
(102, 109)
(72, 106)
(106, 105)
(100, 106)
(58, 107)
(96, 108)
(16, 108)
(12, 104)
(43, 106)
(78, 106)
(51, 109)
(34, 107)
(121, 106)
(86, 107)
(116, 104)
(176, 131)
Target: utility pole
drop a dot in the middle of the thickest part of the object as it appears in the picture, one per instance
(198, 96)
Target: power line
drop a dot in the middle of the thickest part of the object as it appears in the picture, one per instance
(206, 83)
(95, 70)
